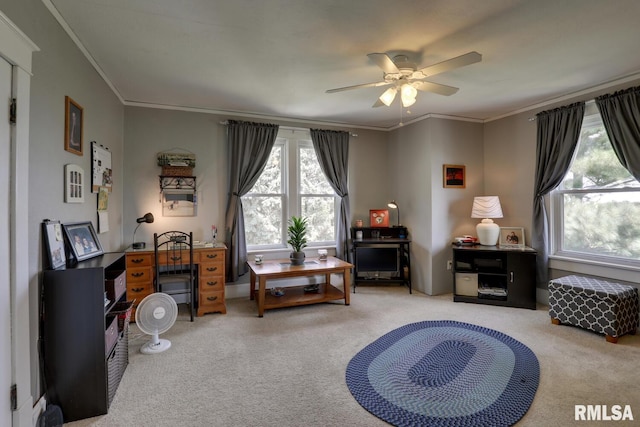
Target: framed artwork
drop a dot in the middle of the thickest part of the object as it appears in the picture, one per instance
(83, 240)
(54, 243)
(73, 117)
(453, 176)
(179, 202)
(511, 237)
(73, 184)
(101, 174)
(378, 218)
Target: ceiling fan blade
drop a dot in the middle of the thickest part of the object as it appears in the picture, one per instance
(450, 64)
(383, 61)
(435, 88)
(378, 104)
(340, 89)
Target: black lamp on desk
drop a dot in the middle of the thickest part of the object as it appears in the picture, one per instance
(393, 205)
(147, 218)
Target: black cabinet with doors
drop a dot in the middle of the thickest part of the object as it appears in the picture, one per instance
(495, 275)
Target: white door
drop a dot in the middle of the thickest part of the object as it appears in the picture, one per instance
(5, 293)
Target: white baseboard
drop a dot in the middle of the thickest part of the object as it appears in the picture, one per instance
(38, 409)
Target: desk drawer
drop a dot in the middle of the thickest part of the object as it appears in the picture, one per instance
(211, 283)
(211, 255)
(174, 257)
(141, 274)
(211, 302)
(208, 269)
(139, 260)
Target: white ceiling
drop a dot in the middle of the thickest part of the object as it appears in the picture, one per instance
(276, 58)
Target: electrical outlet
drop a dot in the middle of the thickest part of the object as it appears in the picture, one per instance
(449, 264)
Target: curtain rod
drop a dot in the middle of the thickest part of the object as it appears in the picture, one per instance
(225, 123)
(586, 104)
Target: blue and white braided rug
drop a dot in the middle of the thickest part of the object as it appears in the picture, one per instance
(445, 373)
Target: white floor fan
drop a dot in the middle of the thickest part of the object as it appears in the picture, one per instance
(155, 315)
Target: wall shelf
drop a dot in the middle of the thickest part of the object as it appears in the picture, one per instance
(177, 183)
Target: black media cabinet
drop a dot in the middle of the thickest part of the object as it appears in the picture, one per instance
(381, 239)
(495, 275)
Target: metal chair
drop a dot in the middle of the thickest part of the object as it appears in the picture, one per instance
(174, 266)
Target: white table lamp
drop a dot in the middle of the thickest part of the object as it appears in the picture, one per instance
(487, 207)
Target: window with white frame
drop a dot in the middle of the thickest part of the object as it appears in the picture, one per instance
(292, 183)
(597, 206)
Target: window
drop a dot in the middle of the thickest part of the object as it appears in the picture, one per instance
(597, 205)
(292, 183)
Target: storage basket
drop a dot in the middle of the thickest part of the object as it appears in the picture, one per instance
(123, 311)
(177, 170)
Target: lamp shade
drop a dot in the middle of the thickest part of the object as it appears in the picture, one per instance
(393, 205)
(388, 96)
(408, 95)
(148, 218)
(487, 207)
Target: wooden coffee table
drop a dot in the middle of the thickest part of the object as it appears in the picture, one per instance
(296, 295)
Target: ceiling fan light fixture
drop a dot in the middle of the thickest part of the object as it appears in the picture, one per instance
(408, 95)
(388, 96)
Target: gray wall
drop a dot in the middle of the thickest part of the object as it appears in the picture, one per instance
(60, 69)
(148, 131)
(433, 213)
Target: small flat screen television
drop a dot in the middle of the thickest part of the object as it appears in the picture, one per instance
(369, 259)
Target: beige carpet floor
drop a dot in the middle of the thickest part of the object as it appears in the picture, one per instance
(288, 368)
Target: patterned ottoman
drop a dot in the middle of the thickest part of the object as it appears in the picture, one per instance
(600, 306)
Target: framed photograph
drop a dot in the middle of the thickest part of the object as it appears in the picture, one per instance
(101, 175)
(83, 240)
(453, 176)
(511, 237)
(378, 218)
(72, 126)
(54, 244)
(73, 184)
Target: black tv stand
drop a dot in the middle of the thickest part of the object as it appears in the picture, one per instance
(389, 237)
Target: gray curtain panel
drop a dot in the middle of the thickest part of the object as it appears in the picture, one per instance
(249, 145)
(558, 134)
(332, 149)
(621, 117)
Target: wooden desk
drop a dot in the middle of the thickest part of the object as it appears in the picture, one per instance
(295, 295)
(210, 266)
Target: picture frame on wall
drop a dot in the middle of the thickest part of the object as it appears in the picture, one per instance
(179, 202)
(379, 218)
(73, 184)
(511, 237)
(453, 176)
(73, 123)
(83, 240)
(54, 244)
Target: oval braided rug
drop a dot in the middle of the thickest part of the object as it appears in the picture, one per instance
(445, 373)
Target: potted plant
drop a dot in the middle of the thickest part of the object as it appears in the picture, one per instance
(297, 232)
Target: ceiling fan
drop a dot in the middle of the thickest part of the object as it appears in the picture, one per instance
(404, 77)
